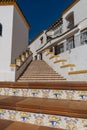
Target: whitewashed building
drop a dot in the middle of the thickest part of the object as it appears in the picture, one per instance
(65, 48)
(13, 39)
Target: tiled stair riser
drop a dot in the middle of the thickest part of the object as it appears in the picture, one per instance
(55, 121)
(45, 93)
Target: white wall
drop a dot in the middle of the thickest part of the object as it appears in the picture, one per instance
(13, 42)
(77, 56)
(20, 36)
(6, 19)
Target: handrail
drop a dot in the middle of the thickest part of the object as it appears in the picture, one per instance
(21, 69)
(18, 67)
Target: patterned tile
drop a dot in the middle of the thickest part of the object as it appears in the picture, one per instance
(54, 121)
(45, 93)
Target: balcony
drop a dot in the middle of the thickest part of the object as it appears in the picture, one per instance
(59, 38)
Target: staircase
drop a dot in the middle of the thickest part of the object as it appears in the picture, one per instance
(43, 100)
(40, 71)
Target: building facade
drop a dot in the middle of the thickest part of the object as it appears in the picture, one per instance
(67, 38)
(13, 38)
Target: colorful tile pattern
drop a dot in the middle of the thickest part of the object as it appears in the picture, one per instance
(54, 121)
(45, 93)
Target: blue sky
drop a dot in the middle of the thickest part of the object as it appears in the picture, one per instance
(42, 13)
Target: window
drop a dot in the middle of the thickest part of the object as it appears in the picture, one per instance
(51, 49)
(41, 39)
(70, 20)
(40, 56)
(70, 43)
(49, 38)
(35, 57)
(0, 29)
(83, 37)
(59, 49)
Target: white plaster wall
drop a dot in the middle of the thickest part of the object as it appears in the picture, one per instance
(20, 36)
(6, 19)
(80, 13)
(77, 77)
(77, 56)
(7, 76)
(13, 42)
(36, 44)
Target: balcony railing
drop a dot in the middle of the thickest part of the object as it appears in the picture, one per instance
(58, 39)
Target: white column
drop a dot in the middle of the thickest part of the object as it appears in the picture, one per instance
(53, 49)
(65, 41)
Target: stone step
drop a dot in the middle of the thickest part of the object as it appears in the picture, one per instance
(43, 71)
(59, 114)
(13, 125)
(39, 80)
(34, 70)
(38, 67)
(49, 74)
(41, 75)
(69, 108)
